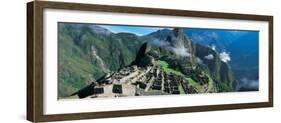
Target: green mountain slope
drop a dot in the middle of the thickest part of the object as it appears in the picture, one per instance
(86, 54)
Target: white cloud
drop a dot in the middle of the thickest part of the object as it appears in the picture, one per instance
(225, 57)
(182, 51)
(198, 60)
(213, 47)
(160, 43)
(209, 57)
(247, 83)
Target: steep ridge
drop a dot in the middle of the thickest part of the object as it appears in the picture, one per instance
(86, 53)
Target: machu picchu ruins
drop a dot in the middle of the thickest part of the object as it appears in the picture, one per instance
(104, 64)
(136, 81)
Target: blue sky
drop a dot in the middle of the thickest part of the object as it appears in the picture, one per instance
(142, 30)
(138, 30)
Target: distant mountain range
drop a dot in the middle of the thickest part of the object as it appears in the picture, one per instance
(242, 48)
(191, 55)
(89, 52)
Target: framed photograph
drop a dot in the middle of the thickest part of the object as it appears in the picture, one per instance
(90, 61)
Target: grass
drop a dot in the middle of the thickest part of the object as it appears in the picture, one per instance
(194, 84)
(211, 84)
(165, 66)
(181, 89)
(69, 97)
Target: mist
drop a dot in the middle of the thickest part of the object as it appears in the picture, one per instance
(225, 57)
(249, 84)
(181, 51)
(209, 57)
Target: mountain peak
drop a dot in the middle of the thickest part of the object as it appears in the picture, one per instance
(178, 32)
(179, 39)
(165, 30)
(100, 30)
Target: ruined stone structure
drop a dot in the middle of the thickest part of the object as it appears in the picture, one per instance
(135, 81)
